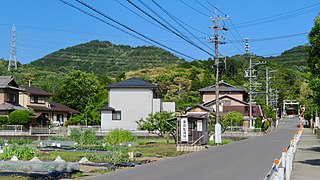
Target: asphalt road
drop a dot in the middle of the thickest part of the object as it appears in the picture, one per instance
(249, 159)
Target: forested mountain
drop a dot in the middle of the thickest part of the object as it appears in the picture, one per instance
(179, 80)
(105, 58)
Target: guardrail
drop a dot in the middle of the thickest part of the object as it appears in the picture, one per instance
(282, 168)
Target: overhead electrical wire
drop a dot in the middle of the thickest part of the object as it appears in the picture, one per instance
(279, 17)
(177, 34)
(204, 6)
(205, 15)
(140, 15)
(176, 20)
(122, 25)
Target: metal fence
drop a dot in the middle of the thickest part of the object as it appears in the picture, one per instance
(282, 168)
(14, 130)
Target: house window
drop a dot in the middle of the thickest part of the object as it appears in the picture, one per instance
(60, 118)
(12, 98)
(116, 115)
(37, 100)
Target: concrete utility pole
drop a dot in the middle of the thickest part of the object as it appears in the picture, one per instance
(250, 74)
(216, 28)
(268, 91)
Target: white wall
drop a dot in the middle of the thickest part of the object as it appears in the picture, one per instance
(133, 103)
(156, 106)
(169, 106)
(105, 117)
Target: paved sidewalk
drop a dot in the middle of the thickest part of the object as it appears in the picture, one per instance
(306, 164)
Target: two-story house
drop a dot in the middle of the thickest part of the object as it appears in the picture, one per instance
(46, 112)
(231, 98)
(9, 95)
(129, 101)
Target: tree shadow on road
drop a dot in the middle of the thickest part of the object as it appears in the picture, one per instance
(317, 149)
(313, 162)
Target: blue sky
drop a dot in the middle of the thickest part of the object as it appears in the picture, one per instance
(44, 26)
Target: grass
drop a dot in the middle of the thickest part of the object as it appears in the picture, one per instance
(223, 142)
(156, 148)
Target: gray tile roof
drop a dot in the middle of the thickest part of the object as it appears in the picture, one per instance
(8, 82)
(11, 106)
(132, 83)
(106, 108)
(223, 87)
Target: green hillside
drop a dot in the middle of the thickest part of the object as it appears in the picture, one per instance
(105, 58)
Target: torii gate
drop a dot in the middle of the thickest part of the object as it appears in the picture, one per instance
(289, 102)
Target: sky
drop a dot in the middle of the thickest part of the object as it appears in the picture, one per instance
(45, 26)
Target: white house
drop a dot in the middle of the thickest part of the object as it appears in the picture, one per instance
(129, 101)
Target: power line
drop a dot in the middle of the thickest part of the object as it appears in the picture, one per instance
(177, 34)
(140, 15)
(204, 6)
(194, 9)
(175, 19)
(278, 17)
(126, 27)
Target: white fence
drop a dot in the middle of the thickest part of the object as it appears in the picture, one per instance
(13, 130)
(282, 168)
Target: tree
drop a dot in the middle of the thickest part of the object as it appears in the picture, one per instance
(20, 117)
(84, 92)
(160, 124)
(230, 119)
(313, 61)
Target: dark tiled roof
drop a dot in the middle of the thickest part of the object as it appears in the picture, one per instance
(11, 106)
(223, 87)
(55, 107)
(106, 108)
(36, 91)
(132, 83)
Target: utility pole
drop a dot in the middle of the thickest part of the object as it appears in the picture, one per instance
(216, 28)
(267, 84)
(13, 50)
(250, 74)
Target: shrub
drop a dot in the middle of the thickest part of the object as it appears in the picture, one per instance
(4, 120)
(76, 135)
(22, 152)
(20, 141)
(85, 137)
(258, 122)
(117, 136)
(89, 136)
(265, 125)
(20, 117)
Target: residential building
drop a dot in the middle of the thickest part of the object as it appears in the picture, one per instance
(231, 98)
(9, 96)
(129, 101)
(46, 112)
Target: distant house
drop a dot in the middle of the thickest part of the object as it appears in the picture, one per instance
(129, 101)
(46, 112)
(231, 98)
(9, 96)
